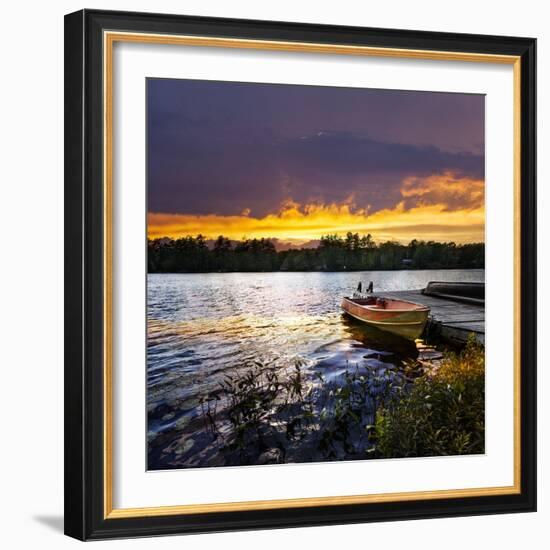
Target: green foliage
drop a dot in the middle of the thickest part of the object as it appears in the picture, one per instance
(334, 253)
(368, 412)
(442, 414)
(194, 255)
(266, 408)
(346, 427)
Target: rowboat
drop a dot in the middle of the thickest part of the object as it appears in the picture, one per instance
(406, 319)
(469, 293)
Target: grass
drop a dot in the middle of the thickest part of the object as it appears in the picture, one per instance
(348, 415)
(441, 414)
(266, 409)
(274, 415)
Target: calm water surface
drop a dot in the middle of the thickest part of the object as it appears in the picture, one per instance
(202, 326)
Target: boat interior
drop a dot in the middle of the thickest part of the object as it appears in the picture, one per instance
(374, 302)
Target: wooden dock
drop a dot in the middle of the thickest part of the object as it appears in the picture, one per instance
(450, 319)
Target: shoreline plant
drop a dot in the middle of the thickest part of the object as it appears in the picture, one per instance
(443, 412)
(264, 414)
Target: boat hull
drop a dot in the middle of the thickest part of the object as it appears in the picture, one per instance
(404, 319)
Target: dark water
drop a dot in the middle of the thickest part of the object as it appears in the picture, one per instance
(204, 326)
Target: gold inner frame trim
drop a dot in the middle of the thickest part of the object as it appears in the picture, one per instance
(109, 39)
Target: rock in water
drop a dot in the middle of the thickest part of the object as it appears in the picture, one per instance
(271, 456)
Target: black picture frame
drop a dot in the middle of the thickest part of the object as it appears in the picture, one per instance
(84, 281)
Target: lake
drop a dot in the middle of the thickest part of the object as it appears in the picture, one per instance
(202, 327)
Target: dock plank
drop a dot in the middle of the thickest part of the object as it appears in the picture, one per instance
(452, 319)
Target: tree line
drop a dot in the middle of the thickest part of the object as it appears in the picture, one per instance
(334, 253)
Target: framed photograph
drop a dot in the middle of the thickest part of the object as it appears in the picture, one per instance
(300, 274)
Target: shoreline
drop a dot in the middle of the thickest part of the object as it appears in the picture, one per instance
(319, 271)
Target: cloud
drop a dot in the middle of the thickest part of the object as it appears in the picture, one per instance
(240, 174)
(222, 147)
(351, 153)
(447, 188)
(423, 213)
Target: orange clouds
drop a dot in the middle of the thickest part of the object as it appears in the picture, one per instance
(446, 189)
(441, 208)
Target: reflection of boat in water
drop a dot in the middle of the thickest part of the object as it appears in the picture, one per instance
(406, 319)
(366, 336)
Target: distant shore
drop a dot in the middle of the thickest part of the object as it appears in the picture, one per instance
(334, 254)
(314, 270)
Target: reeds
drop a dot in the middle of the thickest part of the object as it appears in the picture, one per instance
(441, 414)
(272, 414)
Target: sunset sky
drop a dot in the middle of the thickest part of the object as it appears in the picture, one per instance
(293, 163)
